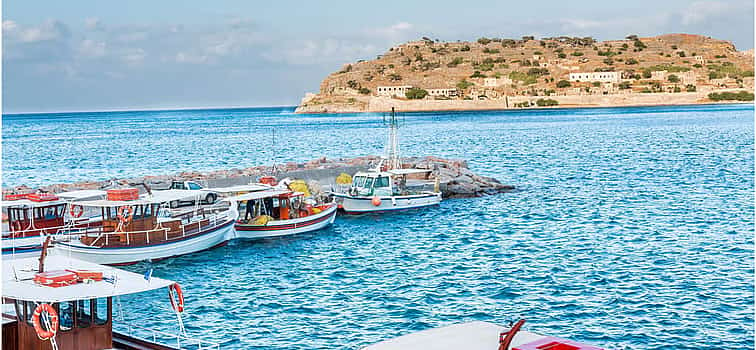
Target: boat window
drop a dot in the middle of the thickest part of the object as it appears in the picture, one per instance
(19, 309)
(369, 182)
(382, 181)
(84, 313)
(65, 313)
(359, 181)
(194, 186)
(29, 311)
(101, 311)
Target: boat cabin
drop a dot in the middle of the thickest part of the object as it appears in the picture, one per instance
(272, 205)
(26, 217)
(383, 183)
(143, 221)
(84, 305)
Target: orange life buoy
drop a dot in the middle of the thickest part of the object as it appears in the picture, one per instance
(125, 213)
(376, 201)
(41, 332)
(178, 306)
(76, 210)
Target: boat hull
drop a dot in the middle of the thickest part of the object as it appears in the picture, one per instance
(212, 237)
(288, 227)
(364, 205)
(22, 247)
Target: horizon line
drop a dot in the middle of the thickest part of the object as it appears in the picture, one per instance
(148, 109)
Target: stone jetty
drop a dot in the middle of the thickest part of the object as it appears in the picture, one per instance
(456, 180)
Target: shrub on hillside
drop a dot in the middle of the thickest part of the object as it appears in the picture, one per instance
(563, 84)
(731, 96)
(546, 102)
(416, 93)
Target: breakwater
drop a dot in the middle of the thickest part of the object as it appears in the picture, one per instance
(456, 180)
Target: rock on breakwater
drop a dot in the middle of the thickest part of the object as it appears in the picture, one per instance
(456, 180)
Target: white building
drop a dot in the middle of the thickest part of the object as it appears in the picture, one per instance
(700, 60)
(496, 82)
(442, 92)
(604, 77)
(398, 91)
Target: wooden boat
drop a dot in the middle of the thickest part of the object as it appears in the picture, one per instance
(146, 229)
(383, 191)
(478, 336)
(29, 219)
(75, 312)
(278, 212)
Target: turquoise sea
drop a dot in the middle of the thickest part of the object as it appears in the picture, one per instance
(632, 228)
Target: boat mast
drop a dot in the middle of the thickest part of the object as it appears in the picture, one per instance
(392, 147)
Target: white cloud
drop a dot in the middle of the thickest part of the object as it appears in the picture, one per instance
(134, 56)
(9, 25)
(183, 57)
(93, 23)
(91, 48)
(701, 11)
(48, 30)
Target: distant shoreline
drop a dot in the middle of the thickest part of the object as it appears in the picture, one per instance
(148, 110)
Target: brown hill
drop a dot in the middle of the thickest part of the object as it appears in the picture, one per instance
(535, 67)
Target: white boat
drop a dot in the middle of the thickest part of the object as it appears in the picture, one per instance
(29, 219)
(478, 336)
(383, 191)
(278, 212)
(384, 188)
(146, 229)
(67, 304)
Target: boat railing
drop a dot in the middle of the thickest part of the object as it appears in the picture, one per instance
(181, 341)
(70, 228)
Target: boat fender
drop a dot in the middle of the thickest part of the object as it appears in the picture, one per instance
(178, 306)
(505, 338)
(41, 332)
(125, 213)
(76, 211)
(376, 201)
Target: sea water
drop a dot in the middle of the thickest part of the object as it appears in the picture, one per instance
(631, 228)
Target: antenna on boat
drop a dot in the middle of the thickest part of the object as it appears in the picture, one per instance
(273, 149)
(392, 146)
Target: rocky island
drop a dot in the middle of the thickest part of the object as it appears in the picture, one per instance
(495, 73)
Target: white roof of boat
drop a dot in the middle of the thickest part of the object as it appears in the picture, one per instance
(240, 188)
(82, 194)
(409, 171)
(258, 195)
(30, 204)
(463, 336)
(18, 281)
(156, 197)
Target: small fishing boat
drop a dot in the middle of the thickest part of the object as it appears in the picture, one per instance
(382, 191)
(62, 303)
(478, 336)
(29, 218)
(143, 228)
(385, 187)
(279, 212)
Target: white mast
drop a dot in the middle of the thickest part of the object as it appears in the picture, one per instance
(392, 147)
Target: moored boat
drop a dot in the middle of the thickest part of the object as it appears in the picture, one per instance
(67, 304)
(279, 212)
(143, 228)
(383, 191)
(29, 218)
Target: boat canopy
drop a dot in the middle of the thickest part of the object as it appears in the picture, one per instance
(25, 203)
(157, 197)
(408, 171)
(260, 195)
(18, 284)
(82, 195)
(240, 188)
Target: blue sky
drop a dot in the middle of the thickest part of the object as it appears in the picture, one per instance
(100, 55)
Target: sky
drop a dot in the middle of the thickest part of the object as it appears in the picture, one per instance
(90, 55)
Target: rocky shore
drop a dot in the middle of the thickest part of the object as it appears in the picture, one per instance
(456, 180)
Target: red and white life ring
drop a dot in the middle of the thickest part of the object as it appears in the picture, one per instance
(125, 213)
(76, 211)
(177, 306)
(41, 332)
